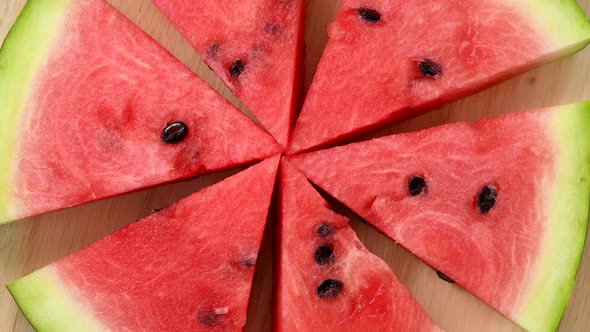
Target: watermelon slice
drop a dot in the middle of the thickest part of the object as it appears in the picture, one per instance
(402, 58)
(187, 268)
(93, 107)
(500, 207)
(335, 281)
(254, 46)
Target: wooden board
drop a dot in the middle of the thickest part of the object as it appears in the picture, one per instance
(30, 244)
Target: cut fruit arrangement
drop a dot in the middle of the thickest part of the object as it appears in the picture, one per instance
(500, 206)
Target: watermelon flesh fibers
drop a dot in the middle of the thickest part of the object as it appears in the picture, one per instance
(327, 279)
(500, 207)
(187, 268)
(254, 46)
(90, 96)
(388, 60)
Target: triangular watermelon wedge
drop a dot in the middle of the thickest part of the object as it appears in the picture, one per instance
(390, 60)
(327, 279)
(187, 268)
(254, 46)
(92, 107)
(500, 207)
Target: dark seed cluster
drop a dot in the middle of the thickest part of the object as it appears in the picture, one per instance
(486, 198)
(238, 65)
(174, 132)
(427, 67)
(324, 255)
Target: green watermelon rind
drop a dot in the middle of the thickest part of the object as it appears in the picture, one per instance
(22, 55)
(563, 20)
(44, 301)
(563, 245)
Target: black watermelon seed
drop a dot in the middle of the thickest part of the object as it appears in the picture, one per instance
(208, 317)
(416, 185)
(323, 231)
(486, 199)
(369, 15)
(329, 289)
(444, 277)
(324, 255)
(174, 132)
(213, 50)
(429, 68)
(236, 68)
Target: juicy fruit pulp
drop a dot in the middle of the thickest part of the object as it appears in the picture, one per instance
(333, 280)
(187, 268)
(102, 112)
(254, 46)
(504, 205)
(401, 58)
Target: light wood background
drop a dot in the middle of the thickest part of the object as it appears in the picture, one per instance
(30, 244)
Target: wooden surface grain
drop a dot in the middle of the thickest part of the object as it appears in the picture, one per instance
(33, 243)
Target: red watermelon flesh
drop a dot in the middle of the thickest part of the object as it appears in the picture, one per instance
(500, 206)
(187, 268)
(91, 107)
(318, 248)
(388, 60)
(254, 46)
